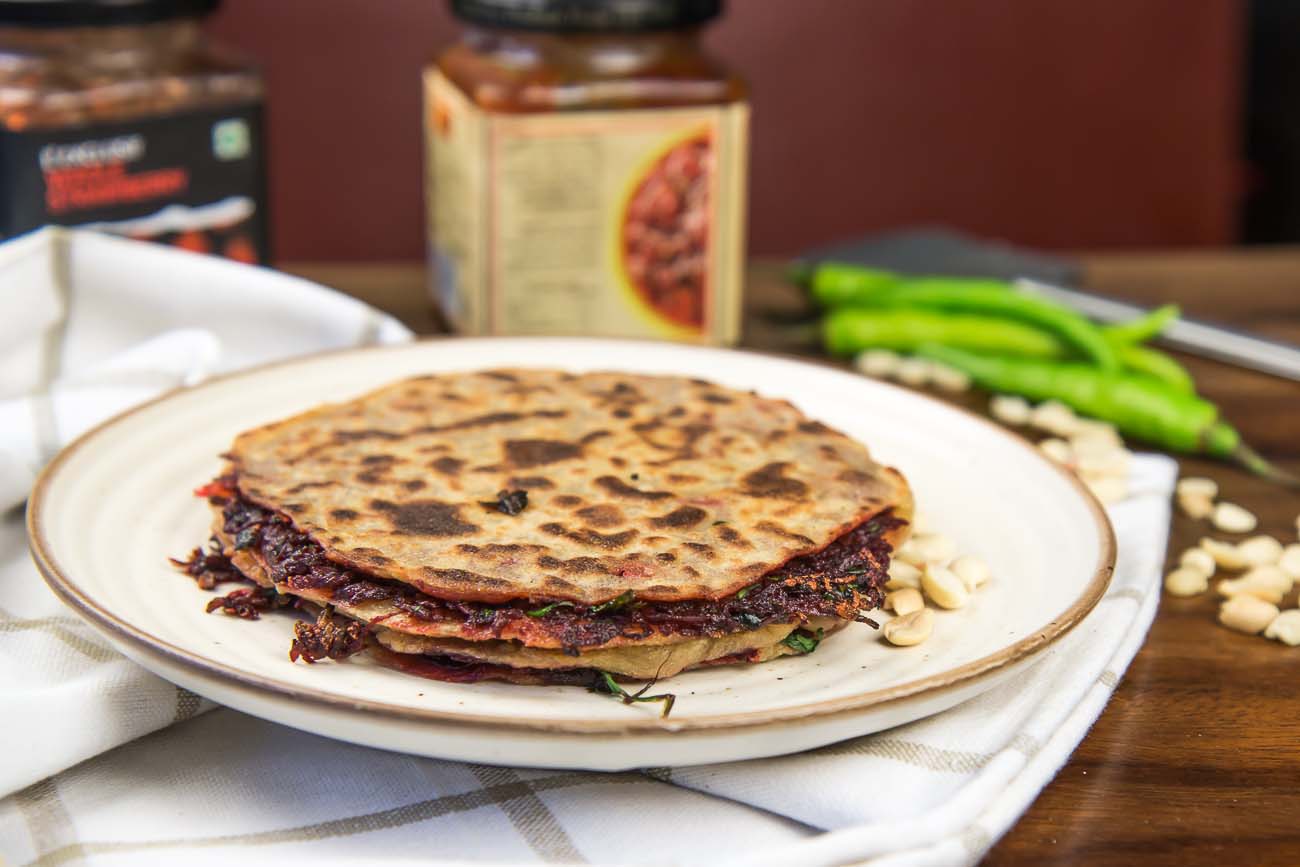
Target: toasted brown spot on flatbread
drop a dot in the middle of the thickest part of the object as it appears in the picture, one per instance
(415, 484)
(665, 556)
(344, 514)
(307, 486)
(371, 477)
(853, 477)
(567, 501)
(447, 464)
(715, 398)
(536, 453)
(486, 420)
(603, 516)
(352, 436)
(530, 483)
(731, 537)
(376, 460)
(704, 550)
(770, 481)
(370, 555)
(558, 583)
(575, 565)
(588, 536)
(503, 375)
(679, 518)
(620, 488)
(425, 518)
(776, 529)
(295, 508)
(622, 412)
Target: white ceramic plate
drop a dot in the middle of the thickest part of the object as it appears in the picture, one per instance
(112, 508)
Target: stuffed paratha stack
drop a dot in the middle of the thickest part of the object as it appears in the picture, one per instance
(546, 527)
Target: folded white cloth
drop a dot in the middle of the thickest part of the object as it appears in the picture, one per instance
(95, 325)
(92, 324)
(226, 786)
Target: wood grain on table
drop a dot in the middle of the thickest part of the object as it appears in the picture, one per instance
(1196, 760)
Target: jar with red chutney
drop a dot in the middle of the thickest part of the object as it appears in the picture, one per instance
(121, 115)
(586, 171)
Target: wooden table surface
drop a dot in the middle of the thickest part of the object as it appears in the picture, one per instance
(1197, 758)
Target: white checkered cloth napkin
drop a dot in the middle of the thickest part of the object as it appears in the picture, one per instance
(224, 787)
(89, 326)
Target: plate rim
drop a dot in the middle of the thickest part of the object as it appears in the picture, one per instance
(117, 628)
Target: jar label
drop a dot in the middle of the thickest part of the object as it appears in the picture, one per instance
(194, 180)
(627, 222)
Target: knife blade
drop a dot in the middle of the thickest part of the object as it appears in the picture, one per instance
(1198, 338)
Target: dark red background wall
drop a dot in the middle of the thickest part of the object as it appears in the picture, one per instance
(1055, 123)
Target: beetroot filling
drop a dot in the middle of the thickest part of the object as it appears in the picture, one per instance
(842, 580)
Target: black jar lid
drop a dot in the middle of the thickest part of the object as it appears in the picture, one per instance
(587, 16)
(99, 13)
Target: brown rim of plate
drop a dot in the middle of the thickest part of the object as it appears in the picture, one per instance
(115, 627)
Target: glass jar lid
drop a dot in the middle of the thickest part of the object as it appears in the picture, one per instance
(587, 16)
(98, 13)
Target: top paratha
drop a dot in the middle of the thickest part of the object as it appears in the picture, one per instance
(670, 487)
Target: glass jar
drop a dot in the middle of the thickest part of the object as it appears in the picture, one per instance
(121, 115)
(586, 168)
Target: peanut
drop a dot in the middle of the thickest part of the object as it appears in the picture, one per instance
(1198, 559)
(944, 588)
(1186, 582)
(880, 363)
(1012, 410)
(1196, 507)
(1231, 518)
(1247, 614)
(1093, 460)
(927, 548)
(905, 601)
(1224, 553)
(948, 378)
(1108, 489)
(909, 629)
(902, 574)
(1285, 628)
(1058, 450)
(1266, 582)
(1055, 418)
(971, 570)
(1260, 550)
(1089, 432)
(1289, 562)
(914, 372)
(1196, 486)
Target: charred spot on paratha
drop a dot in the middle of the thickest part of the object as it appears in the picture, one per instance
(771, 481)
(619, 488)
(425, 518)
(525, 453)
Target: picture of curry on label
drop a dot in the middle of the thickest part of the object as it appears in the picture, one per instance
(666, 233)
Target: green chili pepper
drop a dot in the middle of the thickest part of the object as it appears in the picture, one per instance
(849, 330)
(1139, 406)
(1143, 328)
(953, 295)
(1156, 364)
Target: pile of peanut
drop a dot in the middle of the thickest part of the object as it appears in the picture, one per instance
(923, 569)
(910, 370)
(1093, 450)
(1266, 569)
